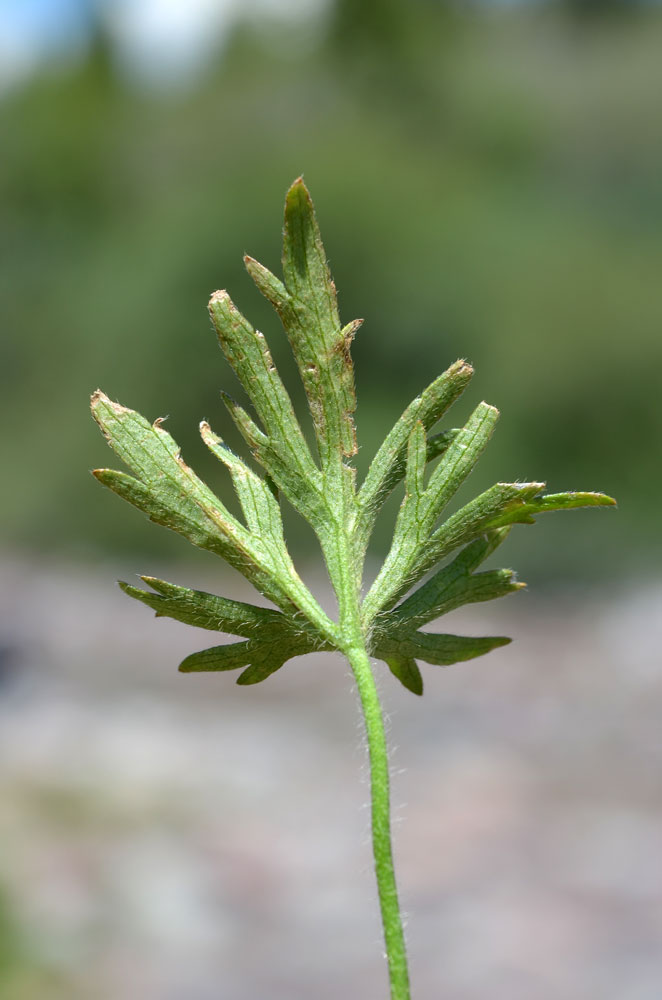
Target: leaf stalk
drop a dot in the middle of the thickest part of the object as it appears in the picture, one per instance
(394, 938)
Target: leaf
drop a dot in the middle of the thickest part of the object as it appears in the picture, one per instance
(415, 524)
(524, 513)
(271, 287)
(305, 495)
(409, 532)
(172, 495)
(257, 501)
(440, 650)
(219, 614)
(307, 306)
(502, 504)
(406, 670)
(247, 351)
(320, 345)
(454, 586)
(232, 656)
(477, 516)
(322, 488)
(260, 669)
(260, 656)
(439, 443)
(469, 522)
(387, 467)
(459, 459)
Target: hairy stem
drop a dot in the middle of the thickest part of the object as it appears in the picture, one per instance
(381, 823)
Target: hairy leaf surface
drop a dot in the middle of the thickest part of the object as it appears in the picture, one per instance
(440, 557)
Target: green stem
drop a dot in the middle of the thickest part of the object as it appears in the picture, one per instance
(381, 823)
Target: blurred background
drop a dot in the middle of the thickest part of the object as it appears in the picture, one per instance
(488, 182)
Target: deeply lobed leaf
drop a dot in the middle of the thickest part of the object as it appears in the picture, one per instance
(320, 345)
(307, 305)
(324, 492)
(172, 495)
(401, 650)
(440, 650)
(272, 636)
(204, 610)
(454, 586)
(260, 658)
(282, 448)
(388, 466)
(422, 506)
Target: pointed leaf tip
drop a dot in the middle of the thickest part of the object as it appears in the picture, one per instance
(298, 199)
(407, 671)
(298, 186)
(525, 511)
(258, 671)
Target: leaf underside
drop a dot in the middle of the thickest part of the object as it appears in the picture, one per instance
(320, 484)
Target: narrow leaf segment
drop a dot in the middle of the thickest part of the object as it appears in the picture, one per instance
(320, 483)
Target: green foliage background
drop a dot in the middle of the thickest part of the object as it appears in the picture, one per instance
(488, 184)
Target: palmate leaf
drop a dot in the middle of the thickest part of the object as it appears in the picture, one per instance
(320, 484)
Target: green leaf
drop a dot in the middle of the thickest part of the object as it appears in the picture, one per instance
(410, 528)
(439, 443)
(172, 495)
(406, 670)
(307, 306)
(470, 521)
(271, 287)
(306, 495)
(418, 514)
(320, 345)
(260, 656)
(257, 501)
(524, 513)
(388, 466)
(262, 668)
(433, 466)
(246, 350)
(219, 614)
(440, 650)
(502, 504)
(454, 586)
(459, 459)
(232, 656)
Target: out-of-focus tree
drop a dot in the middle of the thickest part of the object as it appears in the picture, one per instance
(591, 10)
(511, 181)
(393, 48)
